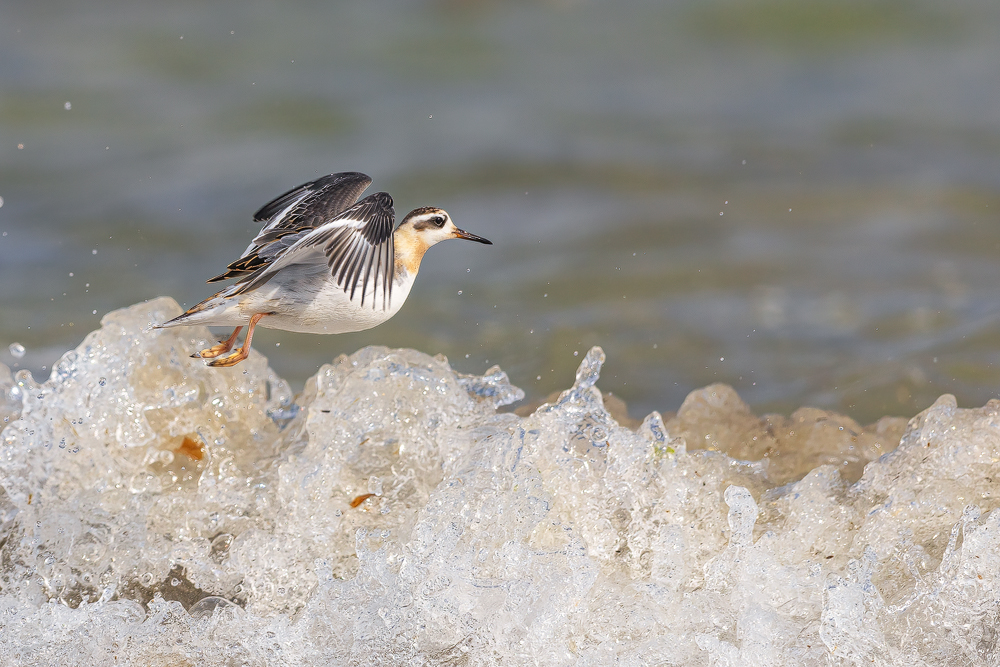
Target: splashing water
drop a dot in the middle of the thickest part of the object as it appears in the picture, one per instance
(155, 511)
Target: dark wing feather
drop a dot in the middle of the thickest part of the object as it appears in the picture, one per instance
(357, 245)
(362, 254)
(303, 208)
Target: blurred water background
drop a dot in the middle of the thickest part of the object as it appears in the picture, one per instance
(796, 197)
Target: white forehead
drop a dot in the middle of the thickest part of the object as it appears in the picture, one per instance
(428, 216)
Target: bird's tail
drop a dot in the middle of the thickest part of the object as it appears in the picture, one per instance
(216, 310)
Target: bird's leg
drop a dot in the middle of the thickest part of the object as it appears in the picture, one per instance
(223, 347)
(242, 353)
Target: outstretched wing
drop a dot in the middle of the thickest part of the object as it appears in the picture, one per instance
(356, 245)
(301, 209)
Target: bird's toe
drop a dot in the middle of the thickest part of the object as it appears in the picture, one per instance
(228, 360)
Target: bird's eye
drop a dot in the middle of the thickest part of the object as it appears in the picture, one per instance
(438, 221)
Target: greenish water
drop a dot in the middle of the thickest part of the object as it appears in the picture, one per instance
(796, 198)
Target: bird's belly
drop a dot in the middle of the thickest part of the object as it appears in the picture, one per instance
(321, 308)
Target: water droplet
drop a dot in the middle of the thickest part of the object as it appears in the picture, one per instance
(16, 350)
(95, 311)
(94, 251)
(459, 291)
(1, 204)
(103, 381)
(175, 581)
(67, 106)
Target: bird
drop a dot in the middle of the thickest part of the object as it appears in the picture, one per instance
(324, 262)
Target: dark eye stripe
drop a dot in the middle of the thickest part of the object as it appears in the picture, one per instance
(435, 221)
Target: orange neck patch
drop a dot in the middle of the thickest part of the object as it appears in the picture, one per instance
(409, 249)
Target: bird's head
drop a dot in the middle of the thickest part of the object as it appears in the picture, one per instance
(430, 225)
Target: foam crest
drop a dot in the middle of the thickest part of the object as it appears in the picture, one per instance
(156, 511)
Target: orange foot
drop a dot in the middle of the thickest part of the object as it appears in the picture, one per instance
(240, 354)
(223, 347)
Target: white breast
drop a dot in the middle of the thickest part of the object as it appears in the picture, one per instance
(305, 299)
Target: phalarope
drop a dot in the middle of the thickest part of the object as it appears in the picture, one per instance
(324, 262)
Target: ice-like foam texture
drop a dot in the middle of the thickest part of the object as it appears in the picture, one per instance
(158, 512)
(10, 397)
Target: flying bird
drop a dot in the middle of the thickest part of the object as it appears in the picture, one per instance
(324, 262)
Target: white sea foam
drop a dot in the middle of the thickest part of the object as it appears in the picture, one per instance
(158, 512)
